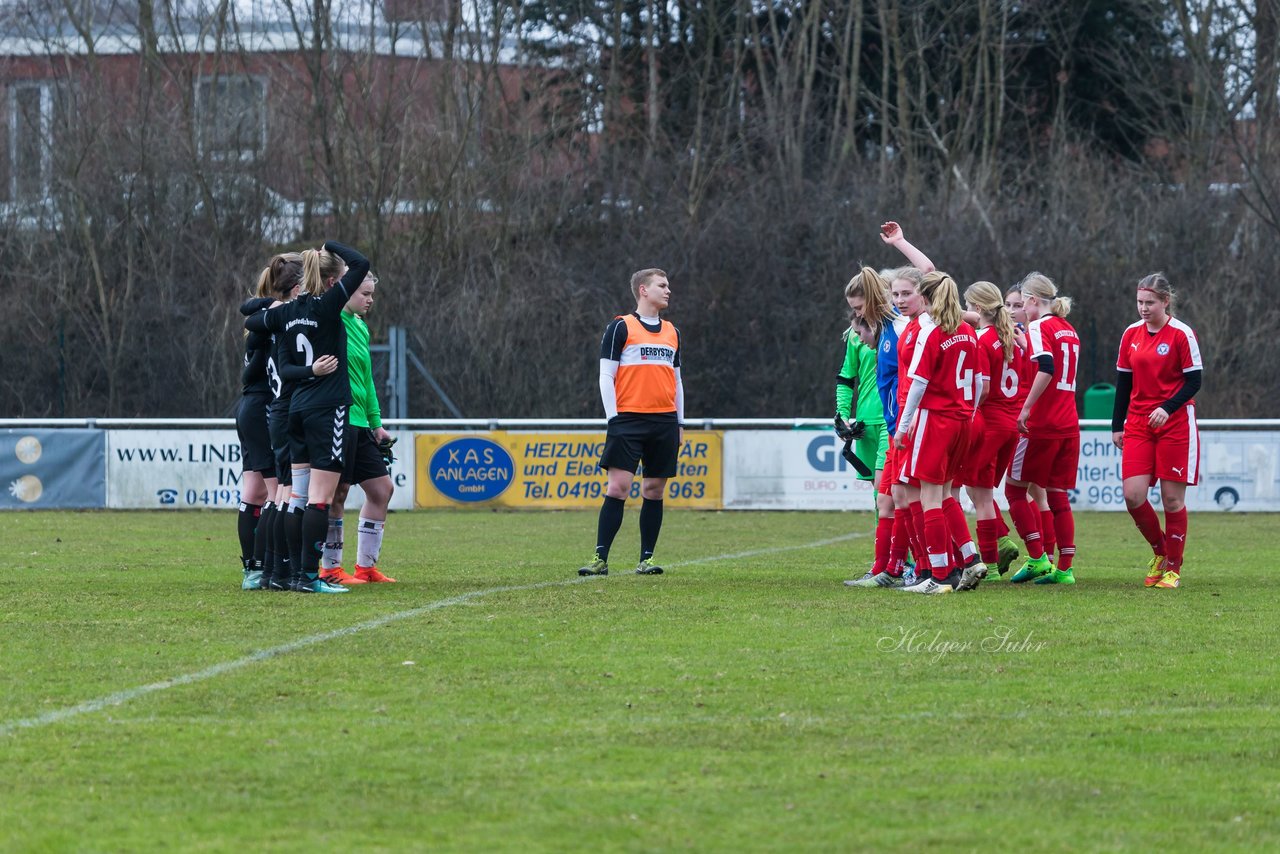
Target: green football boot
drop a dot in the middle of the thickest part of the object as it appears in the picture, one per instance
(1008, 553)
(598, 566)
(648, 567)
(1057, 576)
(1033, 569)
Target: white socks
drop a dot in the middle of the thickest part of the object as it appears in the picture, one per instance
(369, 542)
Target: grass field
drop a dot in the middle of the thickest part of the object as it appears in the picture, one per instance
(744, 701)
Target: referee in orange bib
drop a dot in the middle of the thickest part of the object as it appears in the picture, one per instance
(644, 403)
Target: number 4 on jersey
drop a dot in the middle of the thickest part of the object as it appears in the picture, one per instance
(964, 379)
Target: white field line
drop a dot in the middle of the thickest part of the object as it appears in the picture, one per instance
(122, 697)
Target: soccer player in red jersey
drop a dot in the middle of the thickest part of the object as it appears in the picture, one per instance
(994, 433)
(904, 283)
(1050, 421)
(1035, 524)
(933, 430)
(1154, 424)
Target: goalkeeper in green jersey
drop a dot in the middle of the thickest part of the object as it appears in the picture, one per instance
(858, 399)
(367, 454)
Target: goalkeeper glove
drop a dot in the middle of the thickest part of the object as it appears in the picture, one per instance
(849, 432)
(384, 448)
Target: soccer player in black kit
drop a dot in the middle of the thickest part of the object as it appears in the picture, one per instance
(258, 467)
(277, 554)
(306, 329)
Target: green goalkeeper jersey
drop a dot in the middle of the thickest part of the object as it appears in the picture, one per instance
(860, 364)
(364, 397)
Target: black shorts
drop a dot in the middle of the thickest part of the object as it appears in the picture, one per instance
(255, 440)
(364, 460)
(317, 437)
(278, 427)
(633, 437)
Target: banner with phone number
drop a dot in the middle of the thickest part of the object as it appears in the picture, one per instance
(549, 470)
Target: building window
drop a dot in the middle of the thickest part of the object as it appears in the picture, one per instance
(232, 117)
(35, 110)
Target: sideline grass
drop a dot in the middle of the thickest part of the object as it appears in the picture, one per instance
(735, 704)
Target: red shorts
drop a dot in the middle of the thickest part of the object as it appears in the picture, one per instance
(989, 455)
(1047, 462)
(900, 455)
(936, 446)
(1171, 453)
(889, 475)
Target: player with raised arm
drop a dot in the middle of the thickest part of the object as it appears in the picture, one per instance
(1158, 373)
(282, 547)
(368, 444)
(892, 360)
(933, 431)
(312, 327)
(643, 398)
(1051, 423)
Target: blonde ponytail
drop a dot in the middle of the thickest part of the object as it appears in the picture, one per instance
(986, 298)
(944, 300)
(1043, 289)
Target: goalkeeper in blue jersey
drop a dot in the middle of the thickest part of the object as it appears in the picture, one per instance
(860, 389)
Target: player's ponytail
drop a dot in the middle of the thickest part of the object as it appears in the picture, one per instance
(985, 297)
(944, 300)
(317, 266)
(1045, 291)
(282, 274)
(264, 282)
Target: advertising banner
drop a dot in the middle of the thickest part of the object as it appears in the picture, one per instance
(1239, 470)
(803, 470)
(790, 470)
(549, 470)
(52, 469)
(185, 469)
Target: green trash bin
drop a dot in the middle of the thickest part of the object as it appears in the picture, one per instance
(1099, 400)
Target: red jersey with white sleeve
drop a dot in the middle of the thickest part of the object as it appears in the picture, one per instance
(1055, 415)
(906, 349)
(948, 363)
(1158, 361)
(1005, 392)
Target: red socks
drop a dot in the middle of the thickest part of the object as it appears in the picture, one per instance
(938, 541)
(884, 540)
(988, 534)
(901, 539)
(1025, 519)
(1064, 523)
(1144, 516)
(1048, 531)
(959, 528)
(1002, 529)
(917, 536)
(1175, 537)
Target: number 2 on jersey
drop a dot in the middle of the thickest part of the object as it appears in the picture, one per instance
(1070, 358)
(303, 346)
